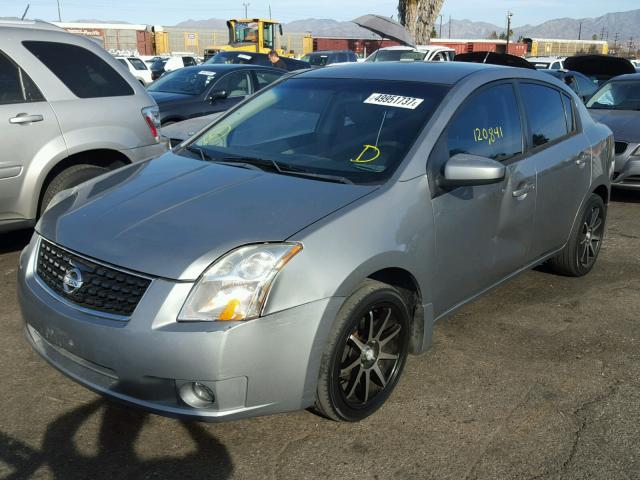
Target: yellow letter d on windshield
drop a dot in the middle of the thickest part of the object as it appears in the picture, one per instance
(371, 158)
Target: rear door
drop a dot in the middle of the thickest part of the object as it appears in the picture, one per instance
(28, 127)
(483, 233)
(563, 157)
(264, 78)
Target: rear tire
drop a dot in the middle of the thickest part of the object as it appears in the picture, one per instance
(365, 353)
(581, 252)
(69, 178)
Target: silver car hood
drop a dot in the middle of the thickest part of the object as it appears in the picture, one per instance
(173, 216)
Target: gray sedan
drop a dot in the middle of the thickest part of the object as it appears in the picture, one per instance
(296, 251)
(617, 105)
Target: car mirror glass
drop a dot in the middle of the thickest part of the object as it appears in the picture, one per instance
(217, 95)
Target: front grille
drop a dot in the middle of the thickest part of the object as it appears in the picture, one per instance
(103, 289)
(621, 147)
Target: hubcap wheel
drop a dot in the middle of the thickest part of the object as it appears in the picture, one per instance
(591, 237)
(371, 356)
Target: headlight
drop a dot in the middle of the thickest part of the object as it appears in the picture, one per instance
(237, 285)
(636, 152)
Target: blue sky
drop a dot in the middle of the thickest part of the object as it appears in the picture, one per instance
(169, 12)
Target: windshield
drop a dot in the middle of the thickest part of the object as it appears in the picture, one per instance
(246, 32)
(231, 57)
(396, 55)
(189, 81)
(137, 63)
(623, 95)
(318, 60)
(356, 129)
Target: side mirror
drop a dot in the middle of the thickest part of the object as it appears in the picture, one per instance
(217, 95)
(464, 169)
(280, 28)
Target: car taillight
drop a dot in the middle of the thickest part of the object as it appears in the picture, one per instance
(152, 117)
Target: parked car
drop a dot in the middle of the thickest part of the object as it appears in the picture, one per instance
(67, 115)
(546, 63)
(599, 68)
(164, 65)
(208, 88)
(138, 69)
(251, 58)
(579, 83)
(617, 105)
(322, 58)
(493, 58)
(426, 53)
(294, 253)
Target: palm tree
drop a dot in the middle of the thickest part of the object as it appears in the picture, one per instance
(419, 17)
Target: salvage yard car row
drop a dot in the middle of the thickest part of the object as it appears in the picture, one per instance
(297, 249)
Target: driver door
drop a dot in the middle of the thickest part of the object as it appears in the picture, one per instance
(236, 86)
(483, 232)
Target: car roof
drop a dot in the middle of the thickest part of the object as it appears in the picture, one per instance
(326, 52)
(30, 24)
(447, 73)
(226, 67)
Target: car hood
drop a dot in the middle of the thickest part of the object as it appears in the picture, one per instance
(173, 216)
(163, 98)
(625, 124)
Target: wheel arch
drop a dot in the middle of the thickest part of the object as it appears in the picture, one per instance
(603, 192)
(101, 157)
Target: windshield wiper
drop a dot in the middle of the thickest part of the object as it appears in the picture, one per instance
(198, 151)
(285, 169)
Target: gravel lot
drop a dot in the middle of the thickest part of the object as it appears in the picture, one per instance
(539, 379)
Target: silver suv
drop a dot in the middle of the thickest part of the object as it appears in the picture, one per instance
(67, 114)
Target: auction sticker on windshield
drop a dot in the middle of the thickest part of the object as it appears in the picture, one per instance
(243, 56)
(394, 100)
(207, 73)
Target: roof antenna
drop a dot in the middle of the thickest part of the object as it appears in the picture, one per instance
(25, 12)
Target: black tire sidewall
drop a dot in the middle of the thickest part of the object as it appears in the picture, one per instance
(594, 201)
(69, 178)
(383, 295)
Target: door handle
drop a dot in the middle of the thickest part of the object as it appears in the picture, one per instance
(23, 118)
(524, 190)
(581, 160)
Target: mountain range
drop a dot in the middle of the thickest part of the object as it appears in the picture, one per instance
(625, 24)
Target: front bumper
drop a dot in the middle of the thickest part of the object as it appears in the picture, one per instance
(627, 169)
(258, 367)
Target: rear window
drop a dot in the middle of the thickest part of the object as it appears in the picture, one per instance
(137, 63)
(15, 84)
(545, 112)
(83, 72)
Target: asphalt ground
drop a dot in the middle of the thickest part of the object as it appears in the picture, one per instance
(537, 380)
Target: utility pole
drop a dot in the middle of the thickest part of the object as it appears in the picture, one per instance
(449, 26)
(615, 43)
(580, 31)
(59, 16)
(246, 6)
(602, 33)
(269, 11)
(440, 34)
(630, 46)
(509, 15)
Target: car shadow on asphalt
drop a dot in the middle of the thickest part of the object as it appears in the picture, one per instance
(625, 196)
(116, 455)
(14, 241)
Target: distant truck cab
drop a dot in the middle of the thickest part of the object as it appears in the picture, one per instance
(251, 35)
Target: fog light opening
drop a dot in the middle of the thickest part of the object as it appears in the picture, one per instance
(197, 395)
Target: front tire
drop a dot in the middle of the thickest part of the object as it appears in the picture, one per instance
(581, 252)
(365, 353)
(69, 178)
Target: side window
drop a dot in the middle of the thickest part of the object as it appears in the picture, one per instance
(83, 72)
(236, 84)
(123, 61)
(15, 84)
(266, 78)
(188, 61)
(487, 125)
(569, 113)
(545, 112)
(587, 88)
